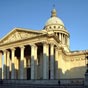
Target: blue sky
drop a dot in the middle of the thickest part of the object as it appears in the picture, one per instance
(33, 14)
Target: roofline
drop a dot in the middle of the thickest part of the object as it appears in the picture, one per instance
(82, 52)
(21, 29)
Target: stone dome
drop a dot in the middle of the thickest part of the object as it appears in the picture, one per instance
(54, 20)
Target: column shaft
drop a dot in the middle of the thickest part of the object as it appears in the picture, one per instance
(63, 39)
(0, 65)
(56, 64)
(16, 68)
(8, 64)
(4, 66)
(25, 68)
(22, 63)
(40, 70)
(13, 65)
(68, 41)
(33, 62)
(60, 36)
(52, 61)
(45, 61)
(36, 62)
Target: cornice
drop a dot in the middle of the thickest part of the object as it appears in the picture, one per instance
(73, 53)
(23, 40)
(21, 30)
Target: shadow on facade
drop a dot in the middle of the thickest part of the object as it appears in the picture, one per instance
(75, 72)
(42, 67)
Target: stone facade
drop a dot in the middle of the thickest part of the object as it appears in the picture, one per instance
(45, 54)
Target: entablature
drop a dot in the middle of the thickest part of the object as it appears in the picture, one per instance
(36, 39)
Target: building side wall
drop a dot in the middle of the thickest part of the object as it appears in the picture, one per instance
(71, 66)
(77, 66)
(61, 65)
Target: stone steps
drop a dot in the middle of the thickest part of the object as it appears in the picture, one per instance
(37, 86)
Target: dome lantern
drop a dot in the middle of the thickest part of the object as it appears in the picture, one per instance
(53, 13)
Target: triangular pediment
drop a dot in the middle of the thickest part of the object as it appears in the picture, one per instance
(19, 34)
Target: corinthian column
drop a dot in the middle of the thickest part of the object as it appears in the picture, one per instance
(4, 66)
(0, 65)
(68, 41)
(33, 61)
(52, 61)
(36, 61)
(45, 61)
(56, 64)
(8, 64)
(13, 65)
(63, 39)
(25, 68)
(60, 36)
(22, 63)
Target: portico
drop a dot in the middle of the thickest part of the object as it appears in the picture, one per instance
(26, 61)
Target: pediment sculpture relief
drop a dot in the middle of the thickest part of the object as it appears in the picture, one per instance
(18, 36)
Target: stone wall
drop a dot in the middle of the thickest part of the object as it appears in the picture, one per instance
(71, 66)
